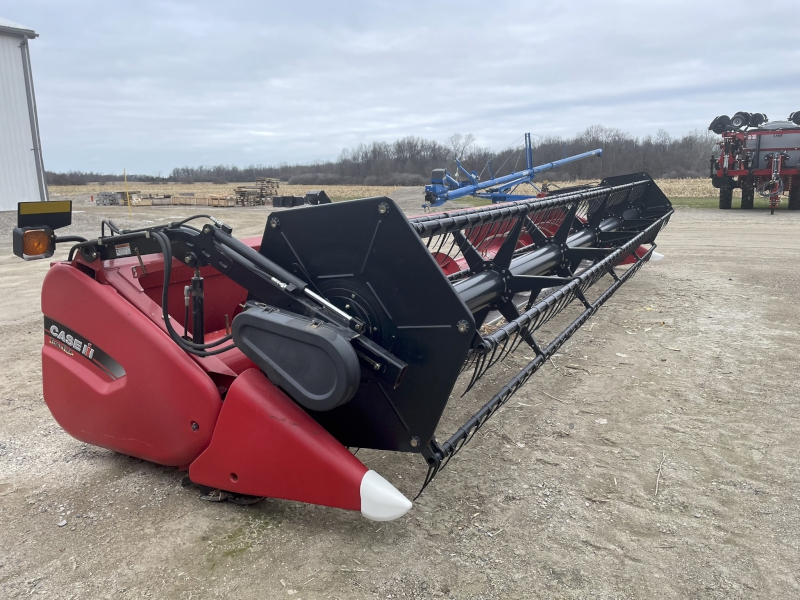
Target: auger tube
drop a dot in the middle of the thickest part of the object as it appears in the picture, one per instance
(485, 288)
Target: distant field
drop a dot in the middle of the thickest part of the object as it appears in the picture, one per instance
(697, 193)
(696, 202)
(339, 192)
(684, 188)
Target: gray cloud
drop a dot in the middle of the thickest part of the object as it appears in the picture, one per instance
(153, 85)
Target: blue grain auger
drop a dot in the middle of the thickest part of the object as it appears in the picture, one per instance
(444, 186)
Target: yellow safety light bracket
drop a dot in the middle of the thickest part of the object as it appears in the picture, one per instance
(36, 221)
(54, 214)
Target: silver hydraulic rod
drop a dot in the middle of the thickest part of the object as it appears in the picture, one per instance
(331, 307)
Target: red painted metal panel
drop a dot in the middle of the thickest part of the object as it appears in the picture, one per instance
(265, 445)
(147, 412)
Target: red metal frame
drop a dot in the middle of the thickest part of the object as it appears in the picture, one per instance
(165, 407)
(731, 161)
(265, 445)
(217, 416)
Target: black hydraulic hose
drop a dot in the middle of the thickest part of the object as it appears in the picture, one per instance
(192, 218)
(766, 193)
(69, 238)
(165, 244)
(166, 251)
(196, 349)
(111, 226)
(115, 230)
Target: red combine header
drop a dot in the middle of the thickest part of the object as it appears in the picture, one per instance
(257, 365)
(757, 157)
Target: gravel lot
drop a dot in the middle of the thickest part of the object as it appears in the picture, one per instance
(685, 381)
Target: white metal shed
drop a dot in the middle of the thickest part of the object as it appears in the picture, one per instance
(22, 176)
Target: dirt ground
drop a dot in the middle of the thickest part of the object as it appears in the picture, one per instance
(685, 383)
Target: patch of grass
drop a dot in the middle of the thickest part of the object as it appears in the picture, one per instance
(759, 203)
(234, 542)
(237, 550)
(696, 202)
(473, 201)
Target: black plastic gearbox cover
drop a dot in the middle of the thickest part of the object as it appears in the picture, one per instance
(315, 365)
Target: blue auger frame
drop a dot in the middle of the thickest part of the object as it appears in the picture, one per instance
(444, 187)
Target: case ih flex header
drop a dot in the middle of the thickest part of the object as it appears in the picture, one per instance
(257, 364)
(757, 156)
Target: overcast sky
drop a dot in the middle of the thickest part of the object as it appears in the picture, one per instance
(154, 85)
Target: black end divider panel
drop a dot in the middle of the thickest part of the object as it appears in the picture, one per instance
(365, 257)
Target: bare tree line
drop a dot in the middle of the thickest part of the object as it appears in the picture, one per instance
(410, 160)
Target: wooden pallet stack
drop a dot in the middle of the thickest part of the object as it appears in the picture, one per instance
(257, 195)
(117, 198)
(192, 200)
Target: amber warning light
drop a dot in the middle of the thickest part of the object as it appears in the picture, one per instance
(36, 221)
(36, 243)
(32, 243)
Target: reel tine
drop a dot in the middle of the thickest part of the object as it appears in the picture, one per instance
(527, 247)
(505, 340)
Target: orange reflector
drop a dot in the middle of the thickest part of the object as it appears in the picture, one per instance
(35, 243)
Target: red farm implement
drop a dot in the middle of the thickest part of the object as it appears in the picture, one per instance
(257, 364)
(757, 157)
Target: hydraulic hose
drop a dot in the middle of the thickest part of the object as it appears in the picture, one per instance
(191, 348)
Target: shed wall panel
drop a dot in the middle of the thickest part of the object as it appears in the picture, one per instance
(18, 177)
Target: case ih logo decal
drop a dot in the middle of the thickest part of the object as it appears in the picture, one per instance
(72, 344)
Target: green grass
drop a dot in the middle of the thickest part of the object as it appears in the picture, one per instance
(759, 204)
(473, 201)
(696, 202)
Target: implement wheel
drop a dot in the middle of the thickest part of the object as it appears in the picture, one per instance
(748, 195)
(725, 197)
(794, 196)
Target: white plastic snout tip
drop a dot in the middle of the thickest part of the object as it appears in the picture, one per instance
(655, 256)
(380, 500)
